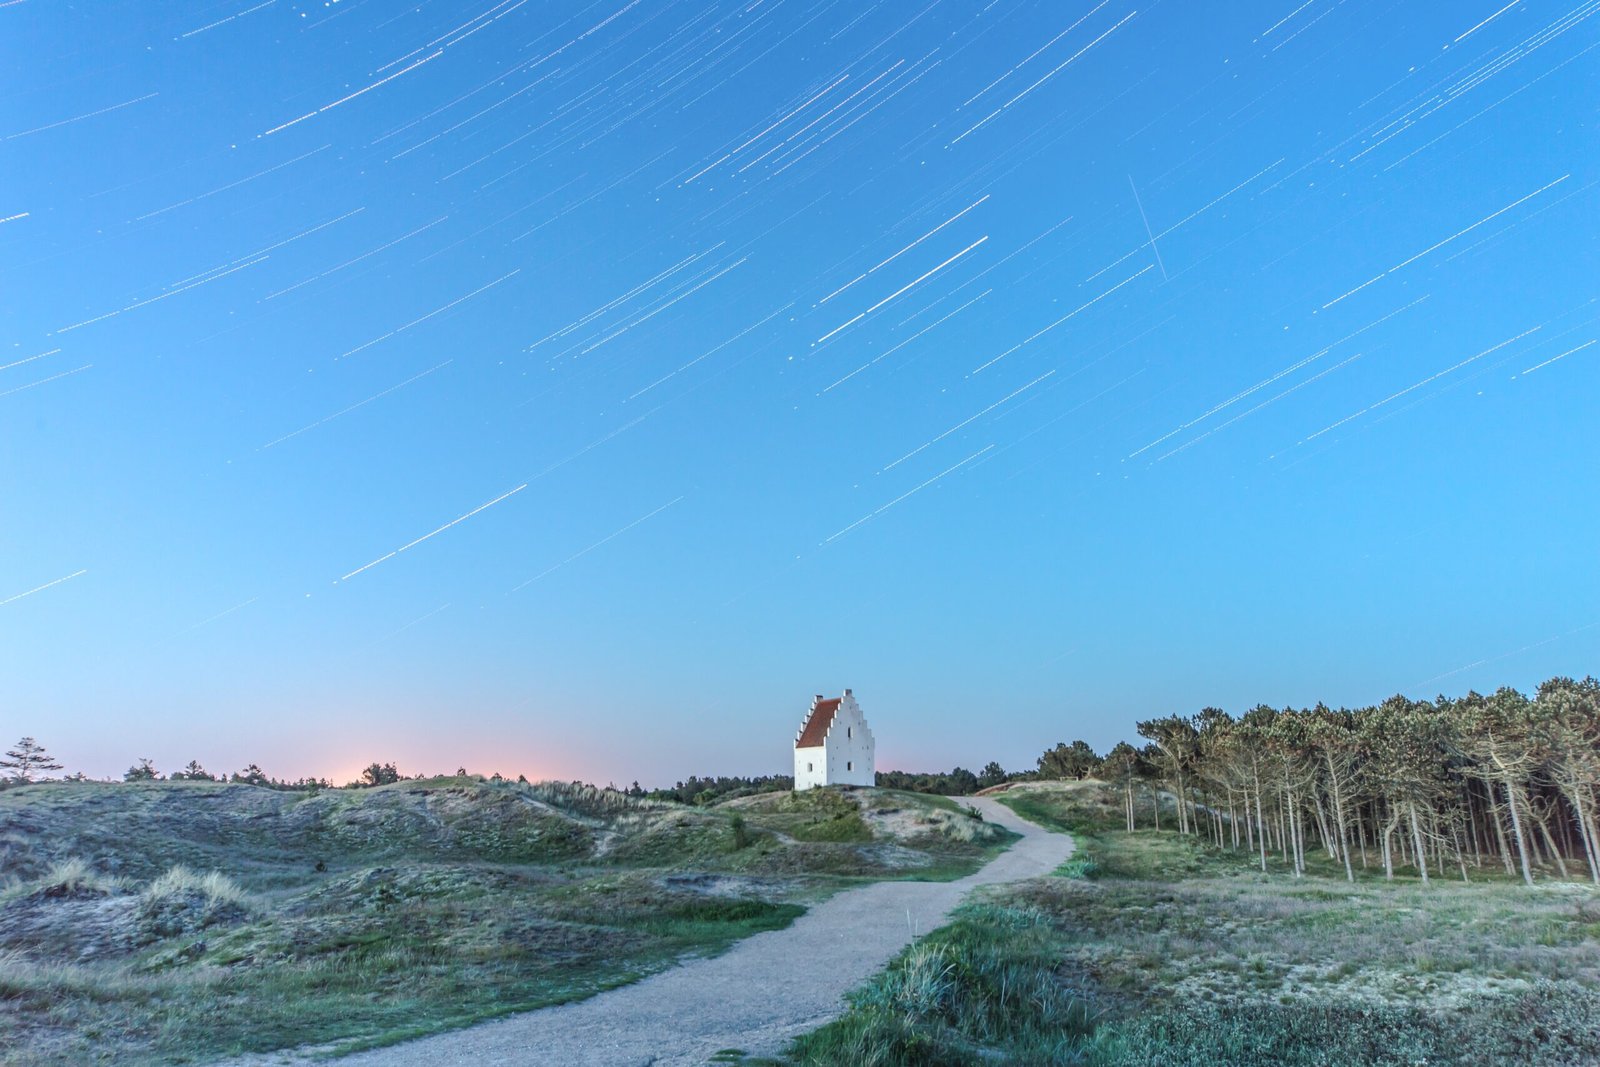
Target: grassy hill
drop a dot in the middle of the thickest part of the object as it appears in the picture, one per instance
(169, 922)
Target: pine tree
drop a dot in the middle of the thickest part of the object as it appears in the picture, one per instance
(143, 771)
(381, 774)
(28, 758)
(251, 775)
(194, 773)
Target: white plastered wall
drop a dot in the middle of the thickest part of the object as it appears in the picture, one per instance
(846, 755)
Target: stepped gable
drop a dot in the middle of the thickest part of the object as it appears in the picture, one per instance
(817, 723)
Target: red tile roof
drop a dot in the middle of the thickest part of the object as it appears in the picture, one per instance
(817, 723)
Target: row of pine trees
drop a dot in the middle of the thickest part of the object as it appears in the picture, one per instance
(1441, 786)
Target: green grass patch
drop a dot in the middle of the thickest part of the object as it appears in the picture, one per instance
(1551, 1025)
(983, 988)
(844, 827)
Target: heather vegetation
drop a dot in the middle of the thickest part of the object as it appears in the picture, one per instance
(136, 916)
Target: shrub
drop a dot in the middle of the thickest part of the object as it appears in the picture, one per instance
(252, 775)
(377, 774)
(193, 773)
(143, 771)
(1080, 866)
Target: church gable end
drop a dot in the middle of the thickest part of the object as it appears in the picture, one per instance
(834, 745)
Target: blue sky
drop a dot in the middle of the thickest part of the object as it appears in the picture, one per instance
(574, 389)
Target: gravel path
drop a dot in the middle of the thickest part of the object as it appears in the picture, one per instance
(755, 997)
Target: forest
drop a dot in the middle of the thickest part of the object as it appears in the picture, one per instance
(1441, 788)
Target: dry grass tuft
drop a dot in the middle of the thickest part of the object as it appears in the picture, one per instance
(216, 888)
(65, 878)
(589, 799)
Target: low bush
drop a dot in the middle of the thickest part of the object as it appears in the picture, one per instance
(1080, 866)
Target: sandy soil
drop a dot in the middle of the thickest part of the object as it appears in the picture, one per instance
(755, 997)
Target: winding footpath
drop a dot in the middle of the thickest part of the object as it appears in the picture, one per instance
(755, 997)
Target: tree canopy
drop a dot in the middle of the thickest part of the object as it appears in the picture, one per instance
(1438, 785)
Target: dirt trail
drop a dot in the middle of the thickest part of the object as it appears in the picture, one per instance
(754, 997)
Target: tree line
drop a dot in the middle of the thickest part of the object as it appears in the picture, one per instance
(712, 788)
(28, 761)
(959, 782)
(1438, 786)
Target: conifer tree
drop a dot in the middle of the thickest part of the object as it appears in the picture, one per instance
(27, 759)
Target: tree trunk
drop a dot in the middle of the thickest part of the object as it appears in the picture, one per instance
(1388, 849)
(1550, 843)
(1339, 823)
(1574, 795)
(1516, 830)
(1283, 826)
(1500, 830)
(1439, 845)
(1416, 837)
(1322, 825)
(1261, 827)
(1455, 838)
(1183, 815)
(1298, 835)
(1472, 828)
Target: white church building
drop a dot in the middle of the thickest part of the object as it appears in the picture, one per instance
(834, 746)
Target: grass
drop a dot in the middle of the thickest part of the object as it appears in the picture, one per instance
(177, 922)
(64, 878)
(1179, 953)
(353, 988)
(984, 986)
(364, 960)
(816, 815)
(863, 834)
(1547, 1026)
(214, 888)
